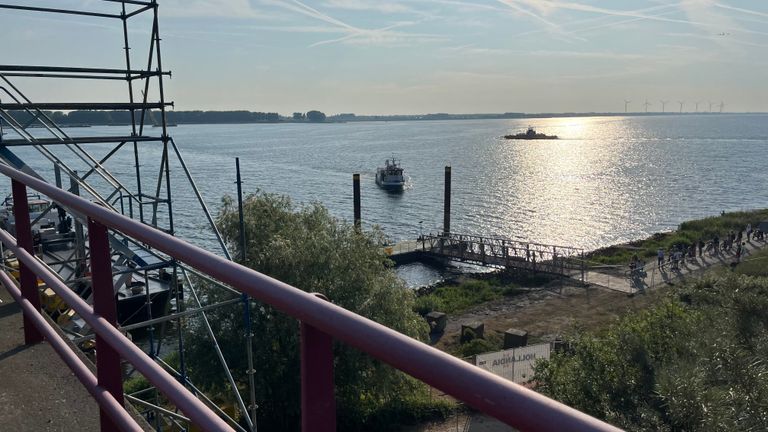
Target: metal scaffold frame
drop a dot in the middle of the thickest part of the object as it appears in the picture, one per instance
(147, 198)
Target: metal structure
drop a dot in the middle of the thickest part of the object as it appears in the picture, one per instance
(322, 323)
(144, 194)
(505, 253)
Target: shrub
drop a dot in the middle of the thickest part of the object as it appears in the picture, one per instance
(475, 347)
(427, 304)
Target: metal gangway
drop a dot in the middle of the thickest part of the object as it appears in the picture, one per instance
(500, 252)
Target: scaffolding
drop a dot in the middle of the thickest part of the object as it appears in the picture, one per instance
(143, 194)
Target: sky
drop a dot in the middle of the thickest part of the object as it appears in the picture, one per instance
(415, 56)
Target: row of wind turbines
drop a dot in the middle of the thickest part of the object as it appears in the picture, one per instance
(664, 103)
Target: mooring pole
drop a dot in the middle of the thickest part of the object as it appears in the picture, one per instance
(447, 202)
(356, 195)
(246, 302)
(240, 210)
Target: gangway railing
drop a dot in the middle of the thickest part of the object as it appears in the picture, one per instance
(502, 252)
(322, 322)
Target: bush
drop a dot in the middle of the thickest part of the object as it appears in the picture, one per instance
(457, 298)
(674, 367)
(309, 249)
(427, 304)
(475, 347)
(411, 411)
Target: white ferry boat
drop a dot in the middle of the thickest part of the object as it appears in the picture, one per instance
(391, 176)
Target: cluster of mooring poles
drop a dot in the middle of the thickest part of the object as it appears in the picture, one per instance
(446, 201)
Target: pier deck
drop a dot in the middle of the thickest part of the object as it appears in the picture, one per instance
(37, 390)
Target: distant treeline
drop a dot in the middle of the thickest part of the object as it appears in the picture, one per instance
(107, 118)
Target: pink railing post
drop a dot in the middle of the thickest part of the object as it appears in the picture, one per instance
(318, 399)
(27, 278)
(108, 370)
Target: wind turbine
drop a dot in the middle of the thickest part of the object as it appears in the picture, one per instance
(626, 104)
(710, 106)
(721, 106)
(663, 106)
(697, 105)
(646, 104)
(681, 106)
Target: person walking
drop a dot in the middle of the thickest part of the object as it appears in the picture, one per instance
(660, 256)
(749, 230)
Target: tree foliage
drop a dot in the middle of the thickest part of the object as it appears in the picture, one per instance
(309, 249)
(696, 364)
(315, 116)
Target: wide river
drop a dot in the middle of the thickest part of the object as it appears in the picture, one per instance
(607, 180)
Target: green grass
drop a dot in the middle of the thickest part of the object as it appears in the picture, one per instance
(754, 265)
(686, 234)
(457, 298)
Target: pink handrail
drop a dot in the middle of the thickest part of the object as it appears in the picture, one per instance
(106, 401)
(183, 398)
(511, 403)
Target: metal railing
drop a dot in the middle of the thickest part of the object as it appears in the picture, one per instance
(322, 322)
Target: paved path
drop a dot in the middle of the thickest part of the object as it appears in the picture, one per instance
(654, 277)
(37, 390)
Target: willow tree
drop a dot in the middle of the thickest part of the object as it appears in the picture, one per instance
(309, 249)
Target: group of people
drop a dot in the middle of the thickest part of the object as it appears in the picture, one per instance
(675, 255)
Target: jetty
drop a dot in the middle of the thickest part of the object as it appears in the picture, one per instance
(497, 252)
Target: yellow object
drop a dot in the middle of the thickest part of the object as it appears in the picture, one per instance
(388, 250)
(65, 317)
(52, 302)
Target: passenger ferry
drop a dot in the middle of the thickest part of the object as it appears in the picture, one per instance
(391, 176)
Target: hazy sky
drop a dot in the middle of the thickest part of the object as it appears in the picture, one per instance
(417, 56)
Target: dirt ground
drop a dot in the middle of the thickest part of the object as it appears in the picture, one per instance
(546, 313)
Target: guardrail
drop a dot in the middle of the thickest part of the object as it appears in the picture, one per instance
(322, 322)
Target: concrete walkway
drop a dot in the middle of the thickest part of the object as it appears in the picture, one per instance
(653, 276)
(37, 390)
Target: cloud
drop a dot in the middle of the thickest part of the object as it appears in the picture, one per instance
(368, 5)
(552, 26)
(354, 35)
(211, 8)
(608, 55)
(742, 10)
(549, 6)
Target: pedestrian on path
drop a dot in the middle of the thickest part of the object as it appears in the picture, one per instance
(749, 230)
(701, 248)
(660, 255)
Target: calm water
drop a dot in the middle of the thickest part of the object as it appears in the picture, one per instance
(608, 180)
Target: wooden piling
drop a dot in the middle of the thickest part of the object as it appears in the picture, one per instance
(356, 195)
(447, 202)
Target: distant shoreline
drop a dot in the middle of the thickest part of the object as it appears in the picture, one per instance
(121, 118)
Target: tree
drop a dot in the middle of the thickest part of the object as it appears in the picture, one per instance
(298, 116)
(273, 117)
(315, 116)
(309, 249)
